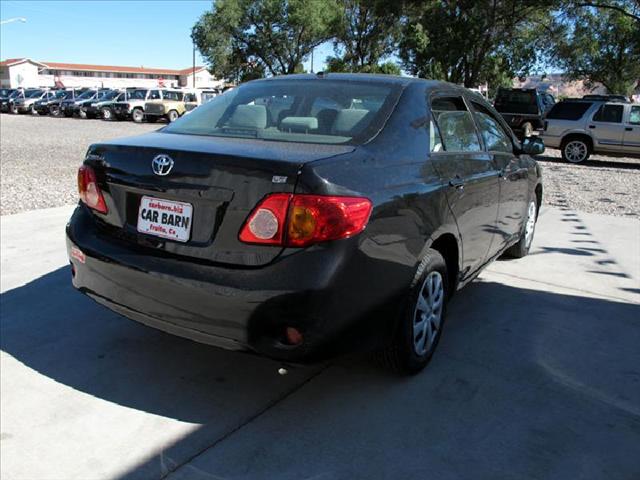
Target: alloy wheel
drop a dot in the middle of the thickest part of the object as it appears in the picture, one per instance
(576, 151)
(427, 317)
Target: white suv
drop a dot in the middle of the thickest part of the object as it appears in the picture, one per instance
(582, 127)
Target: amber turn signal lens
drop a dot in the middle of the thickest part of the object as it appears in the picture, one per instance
(302, 224)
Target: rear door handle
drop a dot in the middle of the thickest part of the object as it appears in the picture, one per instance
(457, 182)
(628, 129)
(592, 126)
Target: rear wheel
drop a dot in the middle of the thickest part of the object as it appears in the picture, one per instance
(521, 249)
(420, 325)
(575, 150)
(137, 115)
(107, 114)
(173, 115)
(83, 114)
(54, 111)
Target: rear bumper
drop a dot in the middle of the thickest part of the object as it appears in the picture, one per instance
(315, 291)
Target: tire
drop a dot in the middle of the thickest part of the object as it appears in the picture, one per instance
(54, 111)
(521, 249)
(106, 113)
(82, 114)
(172, 116)
(575, 150)
(412, 346)
(527, 130)
(137, 115)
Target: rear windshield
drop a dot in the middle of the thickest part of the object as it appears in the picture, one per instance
(516, 101)
(568, 110)
(314, 111)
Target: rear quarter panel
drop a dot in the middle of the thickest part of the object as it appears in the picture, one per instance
(410, 208)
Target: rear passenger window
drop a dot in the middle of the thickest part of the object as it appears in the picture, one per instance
(494, 136)
(455, 124)
(568, 110)
(609, 114)
(634, 117)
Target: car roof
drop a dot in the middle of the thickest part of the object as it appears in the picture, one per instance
(361, 77)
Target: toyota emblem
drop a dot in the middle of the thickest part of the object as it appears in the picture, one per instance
(162, 165)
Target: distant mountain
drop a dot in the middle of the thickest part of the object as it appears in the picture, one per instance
(557, 85)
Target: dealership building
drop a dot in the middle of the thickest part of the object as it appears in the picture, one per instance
(26, 73)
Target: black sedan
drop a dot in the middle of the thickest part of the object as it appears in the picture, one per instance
(304, 216)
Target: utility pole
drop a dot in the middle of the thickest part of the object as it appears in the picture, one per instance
(194, 65)
(312, 59)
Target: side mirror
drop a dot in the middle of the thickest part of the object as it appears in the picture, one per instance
(533, 146)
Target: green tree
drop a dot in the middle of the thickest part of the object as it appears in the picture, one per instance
(367, 34)
(246, 38)
(471, 42)
(601, 44)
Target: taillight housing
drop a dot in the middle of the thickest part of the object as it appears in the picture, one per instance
(89, 191)
(295, 220)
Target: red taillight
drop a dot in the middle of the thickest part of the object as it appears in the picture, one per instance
(89, 191)
(302, 220)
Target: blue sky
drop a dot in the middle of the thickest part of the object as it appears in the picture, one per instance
(131, 33)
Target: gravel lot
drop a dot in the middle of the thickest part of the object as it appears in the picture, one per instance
(40, 157)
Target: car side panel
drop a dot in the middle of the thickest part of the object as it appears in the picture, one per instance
(409, 209)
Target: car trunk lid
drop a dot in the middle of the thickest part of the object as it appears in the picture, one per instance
(221, 179)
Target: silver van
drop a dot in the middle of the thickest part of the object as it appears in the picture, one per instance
(582, 127)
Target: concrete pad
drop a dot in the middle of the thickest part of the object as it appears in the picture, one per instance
(87, 394)
(537, 376)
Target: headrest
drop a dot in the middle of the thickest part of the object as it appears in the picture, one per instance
(348, 120)
(299, 124)
(249, 116)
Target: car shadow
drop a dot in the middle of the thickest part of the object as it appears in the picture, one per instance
(536, 355)
(606, 162)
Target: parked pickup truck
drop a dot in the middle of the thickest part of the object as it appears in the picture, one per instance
(523, 109)
(170, 106)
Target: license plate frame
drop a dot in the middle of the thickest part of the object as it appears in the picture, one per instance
(166, 219)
